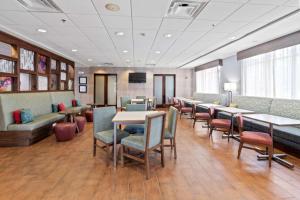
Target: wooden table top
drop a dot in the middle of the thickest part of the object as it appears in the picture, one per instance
(273, 119)
(69, 111)
(233, 110)
(132, 117)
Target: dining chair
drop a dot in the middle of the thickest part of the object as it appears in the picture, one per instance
(152, 140)
(124, 101)
(103, 128)
(141, 97)
(170, 131)
(223, 125)
(135, 128)
(176, 103)
(254, 138)
(200, 117)
(184, 109)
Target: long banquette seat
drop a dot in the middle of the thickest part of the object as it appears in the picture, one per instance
(40, 105)
(286, 136)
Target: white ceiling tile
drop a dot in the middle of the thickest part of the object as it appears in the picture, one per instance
(295, 3)
(22, 18)
(202, 25)
(146, 23)
(152, 8)
(229, 26)
(117, 22)
(76, 6)
(82, 20)
(246, 13)
(12, 5)
(271, 2)
(218, 10)
(54, 19)
(175, 24)
(276, 13)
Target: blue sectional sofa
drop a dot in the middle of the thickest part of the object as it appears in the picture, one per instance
(40, 104)
(287, 137)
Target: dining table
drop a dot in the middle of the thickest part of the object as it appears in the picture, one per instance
(208, 105)
(272, 120)
(125, 118)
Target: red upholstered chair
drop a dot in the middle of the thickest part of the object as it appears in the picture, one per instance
(254, 138)
(89, 115)
(64, 131)
(223, 125)
(201, 116)
(80, 121)
(184, 109)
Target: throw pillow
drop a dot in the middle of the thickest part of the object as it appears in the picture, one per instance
(234, 105)
(54, 108)
(61, 107)
(17, 117)
(74, 103)
(26, 116)
(78, 103)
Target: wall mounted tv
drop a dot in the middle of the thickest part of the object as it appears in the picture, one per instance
(138, 77)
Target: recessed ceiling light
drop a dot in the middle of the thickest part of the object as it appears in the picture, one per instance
(74, 50)
(157, 52)
(42, 30)
(125, 51)
(90, 59)
(119, 33)
(168, 35)
(233, 38)
(112, 7)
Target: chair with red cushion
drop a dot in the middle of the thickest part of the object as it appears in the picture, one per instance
(176, 104)
(184, 109)
(223, 125)
(254, 138)
(201, 117)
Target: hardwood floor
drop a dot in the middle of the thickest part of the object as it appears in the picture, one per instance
(203, 170)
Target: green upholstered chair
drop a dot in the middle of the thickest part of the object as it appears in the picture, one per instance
(124, 101)
(135, 128)
(170, 131)
(103, 128)
(152, 140)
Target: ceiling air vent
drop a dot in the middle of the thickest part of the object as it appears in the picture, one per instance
(40, 6)
(185, 9)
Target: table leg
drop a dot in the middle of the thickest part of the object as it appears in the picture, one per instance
(231, 134)
(115, 145)
(276, 157)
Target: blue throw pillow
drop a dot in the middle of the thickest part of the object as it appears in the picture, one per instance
(78, 103)
(54, 108)
(26, 116)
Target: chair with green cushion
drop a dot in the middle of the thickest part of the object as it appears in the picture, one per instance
(103, 127)
(152, 140)
(170, 131)
(124, 101)
(135, 128)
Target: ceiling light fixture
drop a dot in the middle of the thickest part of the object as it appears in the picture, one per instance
(168, 35)
(119, 33)
(42, 30)
(125, 51)
(112, 7)
(157, 52)
(74, 50)
(233, 38)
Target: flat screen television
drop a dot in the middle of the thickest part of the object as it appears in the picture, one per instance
(139, 77)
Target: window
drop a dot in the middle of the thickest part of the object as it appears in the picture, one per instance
(207, 80)
(275, 74)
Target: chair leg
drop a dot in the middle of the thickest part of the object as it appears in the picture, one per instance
(175, 150)
(240, 149)
(162, 155)
(107, 152)
(171, 143)
(210, 132)
(122, 155)
(228, 136)
(147, 164)
(194, 122)
(270, 155)
(180, 114)
(94, 147)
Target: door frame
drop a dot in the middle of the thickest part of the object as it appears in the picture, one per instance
(105, 88)
(164, 86)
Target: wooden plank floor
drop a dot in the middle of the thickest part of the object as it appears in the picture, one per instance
(203, 170)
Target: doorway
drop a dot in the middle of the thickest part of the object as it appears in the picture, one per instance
(105, 89)
(164, 88)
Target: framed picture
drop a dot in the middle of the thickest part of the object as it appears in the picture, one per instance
(5, 84)
(82, 89)
(63, 66)
(82, 80)
(26, 59)
(53, 64)
(63, 76)
(42, 64)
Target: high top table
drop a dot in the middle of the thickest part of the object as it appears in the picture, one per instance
(278, 121)
(125, 118)
(233, 111)
(209, 105)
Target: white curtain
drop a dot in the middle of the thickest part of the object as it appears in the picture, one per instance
(275, 74)
(207, 80)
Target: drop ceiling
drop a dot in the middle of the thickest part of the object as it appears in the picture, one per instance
(91, 29)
